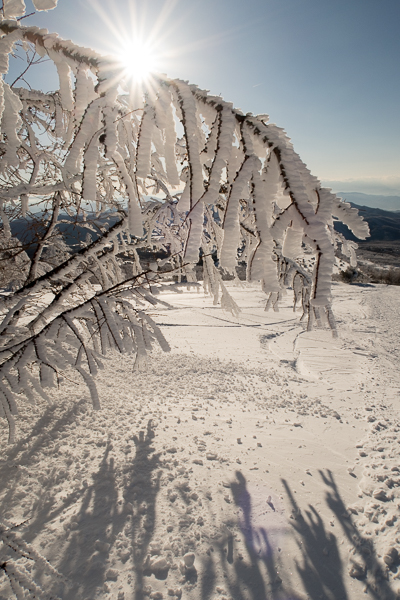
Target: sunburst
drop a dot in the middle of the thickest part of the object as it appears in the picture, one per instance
(138, 60)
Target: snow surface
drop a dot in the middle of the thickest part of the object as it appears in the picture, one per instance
(255, 460)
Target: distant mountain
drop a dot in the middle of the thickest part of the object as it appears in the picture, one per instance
(74, 233)
(391, 203)
(384, 225)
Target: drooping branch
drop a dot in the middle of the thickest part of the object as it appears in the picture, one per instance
(231, 189)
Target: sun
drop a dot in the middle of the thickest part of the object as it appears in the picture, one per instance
(139, 60)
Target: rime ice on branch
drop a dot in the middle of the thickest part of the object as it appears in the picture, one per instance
(186, 174)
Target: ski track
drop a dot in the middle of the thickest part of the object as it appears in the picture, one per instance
(266, 453)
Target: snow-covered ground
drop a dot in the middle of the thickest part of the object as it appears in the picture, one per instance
(255, 460)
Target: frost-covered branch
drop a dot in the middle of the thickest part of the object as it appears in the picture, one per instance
(15, 552)
(76, 339)
(164, 175)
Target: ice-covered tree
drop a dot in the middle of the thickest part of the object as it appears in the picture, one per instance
(168, 168)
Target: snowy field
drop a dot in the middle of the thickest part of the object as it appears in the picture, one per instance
(254, 461)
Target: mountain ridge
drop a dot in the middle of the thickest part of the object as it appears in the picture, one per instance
(384, 225)
(389, 203)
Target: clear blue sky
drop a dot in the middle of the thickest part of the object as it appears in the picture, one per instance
(328, 71)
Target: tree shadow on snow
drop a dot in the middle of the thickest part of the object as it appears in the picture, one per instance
(84, 560)
(377, 584)
(255, 574)
(45, 429)
(104, 518)
(259, 573)
(107, 525)
(322, 570)
(18, 457)
(141, 490)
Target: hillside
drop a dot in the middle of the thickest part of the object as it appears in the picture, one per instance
(384, 224)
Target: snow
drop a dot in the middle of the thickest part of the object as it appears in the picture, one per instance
(45, 4)
(64, 76)
(13, 8)
(254, 460)
(10, 122)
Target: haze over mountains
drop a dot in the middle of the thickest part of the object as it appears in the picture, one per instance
(381, 212)
(391, 203)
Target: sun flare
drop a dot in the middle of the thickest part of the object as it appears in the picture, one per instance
(139, 61)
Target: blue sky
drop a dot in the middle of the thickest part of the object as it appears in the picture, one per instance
(328, 71)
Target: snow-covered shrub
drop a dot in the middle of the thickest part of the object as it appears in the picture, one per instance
(170, 168)
(349, 275)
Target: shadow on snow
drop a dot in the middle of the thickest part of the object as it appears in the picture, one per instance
(107, 521)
